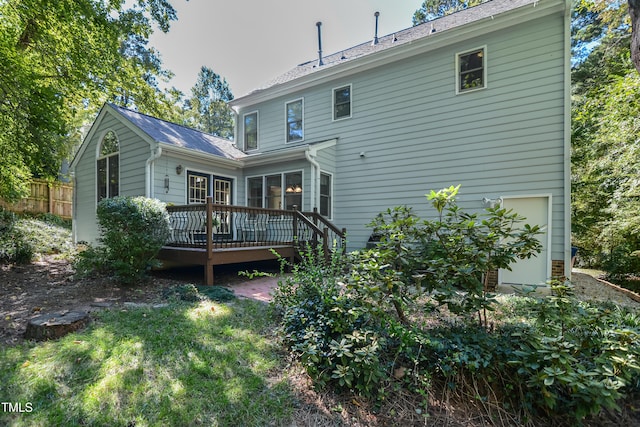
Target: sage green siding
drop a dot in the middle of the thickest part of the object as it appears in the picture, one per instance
(417, 134)
(134, 152)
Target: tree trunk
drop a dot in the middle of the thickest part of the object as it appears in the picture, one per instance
(634, 12)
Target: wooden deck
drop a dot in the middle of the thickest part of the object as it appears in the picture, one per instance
(242, 234)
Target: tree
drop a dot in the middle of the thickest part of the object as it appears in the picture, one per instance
(207, 109)
(605, 157)
(634, 12)
(60, 58)
(432, 9)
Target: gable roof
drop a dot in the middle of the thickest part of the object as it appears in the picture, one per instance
(179, 136)
(395, 42)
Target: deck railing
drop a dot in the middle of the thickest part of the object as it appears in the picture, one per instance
(240, 226)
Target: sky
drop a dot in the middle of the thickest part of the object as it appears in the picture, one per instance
(250, 42)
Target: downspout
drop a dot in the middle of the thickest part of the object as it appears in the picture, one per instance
(74, 208)
(155, 154)
(315, 175)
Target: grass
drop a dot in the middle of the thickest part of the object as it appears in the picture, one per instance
(200, 364)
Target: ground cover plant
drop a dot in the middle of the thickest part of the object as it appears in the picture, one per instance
(202, 363)
(403, 318)
(23, 237)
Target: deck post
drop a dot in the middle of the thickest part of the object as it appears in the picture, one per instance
(344, 240)
(208, 268)
(295, 224)
(325, 243)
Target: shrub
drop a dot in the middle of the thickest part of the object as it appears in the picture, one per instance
(335, 340)
(14, 246)
(575, 358)
(132, 232)
(449, 256)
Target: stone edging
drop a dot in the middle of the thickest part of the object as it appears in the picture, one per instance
(634, 296)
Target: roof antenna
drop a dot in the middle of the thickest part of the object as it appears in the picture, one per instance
(319, 24)
(375, 37)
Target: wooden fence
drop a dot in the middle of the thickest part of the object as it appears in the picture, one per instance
(55, 198)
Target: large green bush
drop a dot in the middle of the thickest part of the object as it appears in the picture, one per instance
(335, 340)
(398, 319)
(132, 232)
(449, 256)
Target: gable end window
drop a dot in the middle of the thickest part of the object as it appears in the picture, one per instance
(108, 166)
(251, 131)
(471, 70)
(342, 103)
(295, 125)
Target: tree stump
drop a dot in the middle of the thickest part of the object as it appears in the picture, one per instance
(55, 325)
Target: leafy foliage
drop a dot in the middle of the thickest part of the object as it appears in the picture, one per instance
(397, 319)
(334, 339)
(450, 255)
(23, 237)
(132, 231)
(605, 201)
(432, 9)
(207, 109)
(62, 59)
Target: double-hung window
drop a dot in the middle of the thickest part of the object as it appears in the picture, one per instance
(294, 116)
(251, 131)
(342, 103)
(471, 70)
(108, 166)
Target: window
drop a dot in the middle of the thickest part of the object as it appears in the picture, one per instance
(108, 166)
(471, 70)
(325, 195)
(279, 191)
(294, 112)
(198, 187)
(251, 131)
(273, 197)
(342, 103)
(254, 192)
(293, 190)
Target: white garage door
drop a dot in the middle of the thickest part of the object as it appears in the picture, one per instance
(535, 270)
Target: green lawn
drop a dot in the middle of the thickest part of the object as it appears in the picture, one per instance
(203, 364)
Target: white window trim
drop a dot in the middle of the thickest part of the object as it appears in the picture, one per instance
(484, 69)
(333, 102)
(286, 121)
(282, 183)
(244, 134)
(187, 170)
(331, 195)
(99, 157)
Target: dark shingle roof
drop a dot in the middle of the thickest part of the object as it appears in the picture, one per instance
(399, 38)
(181, 136)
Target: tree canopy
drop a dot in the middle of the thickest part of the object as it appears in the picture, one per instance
(207, 108)
(60, 60)
(432, 9)
(605, 127)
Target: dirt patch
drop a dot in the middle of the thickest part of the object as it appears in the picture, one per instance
(589, 288)
(49, 285)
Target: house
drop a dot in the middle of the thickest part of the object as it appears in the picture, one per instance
(478, 98)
